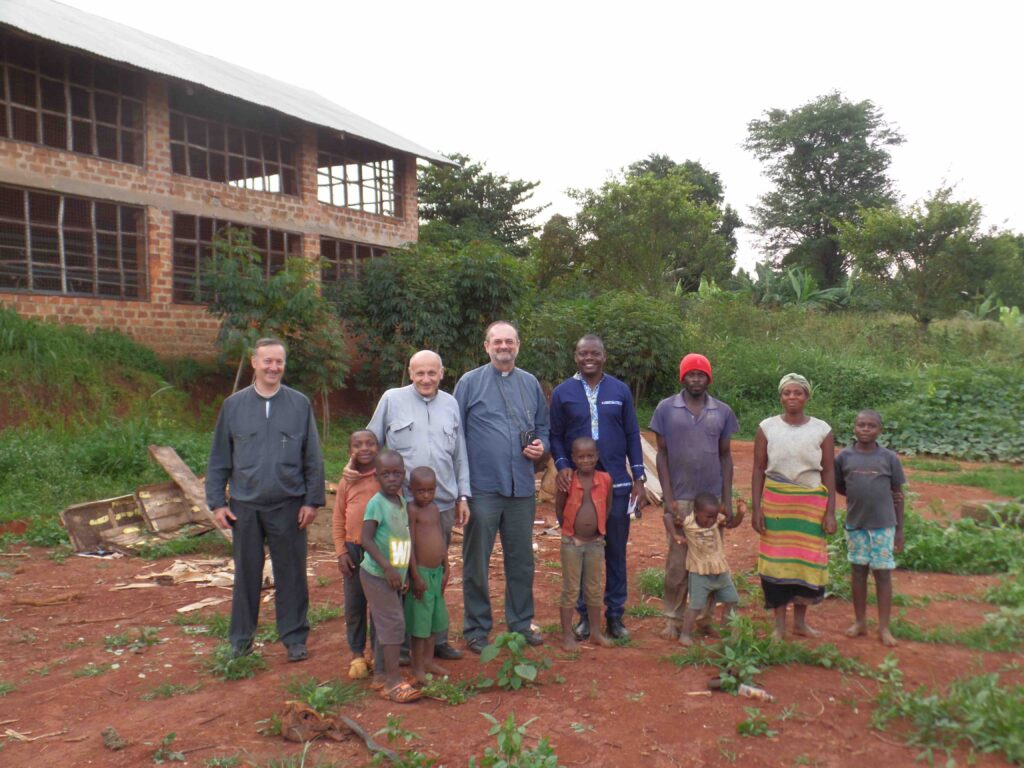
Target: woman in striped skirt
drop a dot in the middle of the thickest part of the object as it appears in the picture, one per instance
(794, 504)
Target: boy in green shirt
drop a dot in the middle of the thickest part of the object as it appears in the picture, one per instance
(387, 555)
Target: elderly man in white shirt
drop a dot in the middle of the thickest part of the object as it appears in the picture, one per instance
(424, 425)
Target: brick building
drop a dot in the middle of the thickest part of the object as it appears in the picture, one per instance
(122, 154)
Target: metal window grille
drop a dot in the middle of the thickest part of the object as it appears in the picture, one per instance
(51, 243)
(206, 146)
(356, 175)
(193, 248)
(70, 101)
(341, 260)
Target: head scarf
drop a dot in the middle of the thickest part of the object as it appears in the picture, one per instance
(694, 362)
(795, 378)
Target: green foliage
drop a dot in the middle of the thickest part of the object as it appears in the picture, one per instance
(190, 543)
(210, 624)
(143, 638)
(755, 725)
(748, 648)
(92, 670)
(473, 204)
(639, 334)
(318, 614)
(643, 611)
(1010, 590)
(827, 159)
(510, 752)
(1002, 631)
(298, 761)
(169, 690)
(651, 231)
(452, 692)
(394, 733)
(963, 546)
(1004, 481)
(651, 581)
(224, 665)
(517, 669)
(795, 287)
(976, 712)
(223, 761)
(6, 687)
(165, 753)
(324, 698)
(934, 250)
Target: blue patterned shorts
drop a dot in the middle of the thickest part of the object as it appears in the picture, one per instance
(872, 547)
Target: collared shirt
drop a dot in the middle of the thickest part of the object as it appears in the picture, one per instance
(427, 433)
(692, 442)
(619, 445)
(495, 410)
(591, 394)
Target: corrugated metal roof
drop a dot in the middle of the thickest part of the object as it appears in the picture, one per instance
(71, 26)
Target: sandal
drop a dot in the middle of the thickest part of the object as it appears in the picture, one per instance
(377, 684)
(403, 693)
(358, 669)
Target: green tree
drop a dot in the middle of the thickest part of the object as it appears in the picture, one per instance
(287, 304)
(935, 251)
(464, 202)
(650, 233)
(556, 253)
(828, 159)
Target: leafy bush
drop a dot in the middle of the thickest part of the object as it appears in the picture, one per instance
(225, 665)
(510, 752)
(963, 546)
(324, 698)
(977, 711)
(517, 669)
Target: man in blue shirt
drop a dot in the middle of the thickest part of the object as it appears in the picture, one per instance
(505, 417)
(593, 404)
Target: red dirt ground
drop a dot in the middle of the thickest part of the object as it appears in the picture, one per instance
(616, 707)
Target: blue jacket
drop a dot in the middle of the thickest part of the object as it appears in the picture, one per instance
(618, 430)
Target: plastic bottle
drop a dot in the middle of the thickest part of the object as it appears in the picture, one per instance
(750, 692)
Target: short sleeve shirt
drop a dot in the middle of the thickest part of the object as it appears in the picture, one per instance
(868, 480)
(704, 551)
(392, 536)
(692, 442)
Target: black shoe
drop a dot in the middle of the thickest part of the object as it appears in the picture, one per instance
(582, 630)
(616, 629)
(240, 650)
(532, 638)
(297, 652)
(447, 652)
(476, 645)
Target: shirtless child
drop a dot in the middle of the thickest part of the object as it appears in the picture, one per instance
(425, 611)
(581, 513)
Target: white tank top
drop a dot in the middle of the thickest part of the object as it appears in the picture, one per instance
(794, 452)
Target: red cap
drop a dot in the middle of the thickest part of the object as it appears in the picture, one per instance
(694, 362)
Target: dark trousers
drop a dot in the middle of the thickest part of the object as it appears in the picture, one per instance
(356, 609)
(279, 528)
(511, 518)
(615, 579)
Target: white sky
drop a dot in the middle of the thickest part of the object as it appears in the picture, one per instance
(567, 93)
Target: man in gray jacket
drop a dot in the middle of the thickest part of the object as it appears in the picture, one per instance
(266, 445)
(424, 425)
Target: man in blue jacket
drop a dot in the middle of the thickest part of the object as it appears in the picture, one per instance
(591, 403)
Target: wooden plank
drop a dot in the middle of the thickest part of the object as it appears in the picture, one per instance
(85, 522)
(168, 458)
(165, 507)
(653, 484)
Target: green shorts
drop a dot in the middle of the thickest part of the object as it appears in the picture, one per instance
(427, 617)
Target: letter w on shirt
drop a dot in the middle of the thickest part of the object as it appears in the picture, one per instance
(400, 551)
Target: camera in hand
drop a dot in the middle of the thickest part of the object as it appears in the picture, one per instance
(526, 437)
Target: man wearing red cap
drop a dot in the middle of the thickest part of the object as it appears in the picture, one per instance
(694, 433)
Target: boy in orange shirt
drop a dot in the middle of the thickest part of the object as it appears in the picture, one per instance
(357, 486)
(582, 513)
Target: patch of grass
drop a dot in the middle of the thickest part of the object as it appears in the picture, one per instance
(622, 642)
(209, 624)
(6, 687)
(318, 614)
(1010, 590)
(1004, 481)
(963, 546)
(756, 724)
(143, 638)
(165, 753)
(324, 697)
(651, 582)
(643, 611)
(930, 465)
(225, 761)
(169, 690)
(975, 712)
(207, 544)
(746, 649)
(550, 629)
(452, 692)
(224, 665)
(92, 670)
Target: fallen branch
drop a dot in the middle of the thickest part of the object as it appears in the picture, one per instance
(368, 740)
(40, 602)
